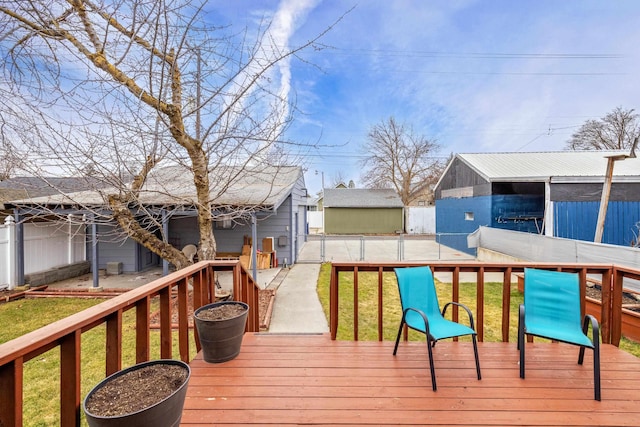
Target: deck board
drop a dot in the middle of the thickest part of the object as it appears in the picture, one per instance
(310, 380)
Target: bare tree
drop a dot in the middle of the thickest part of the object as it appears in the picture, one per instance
(398, 158)
(615, 131)
(338, 178)
(121, 89)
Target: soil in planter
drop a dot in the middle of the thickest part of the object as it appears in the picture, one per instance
(628, 301)
(136, 390)
(221, 312)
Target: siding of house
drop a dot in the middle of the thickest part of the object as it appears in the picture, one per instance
(363, 221)
(455, 218)
(577, 220)
(286, 225)
(509, 191)
(115, 251)
(460, 176)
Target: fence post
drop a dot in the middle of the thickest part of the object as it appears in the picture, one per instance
(400, 247)
(10, 226)
(70, 240)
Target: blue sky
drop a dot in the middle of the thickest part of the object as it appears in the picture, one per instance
(476, 76)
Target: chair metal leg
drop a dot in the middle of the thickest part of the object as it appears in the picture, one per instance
(402, 322)
(475, 352)
(596, 369)
(431, 367)
(596, 352)
(521, 335)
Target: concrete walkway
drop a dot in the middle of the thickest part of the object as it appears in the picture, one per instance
(297, 308)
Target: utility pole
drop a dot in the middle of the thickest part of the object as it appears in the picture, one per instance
(606, 189)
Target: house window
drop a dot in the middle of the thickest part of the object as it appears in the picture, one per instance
(468, 216)
(224, 222)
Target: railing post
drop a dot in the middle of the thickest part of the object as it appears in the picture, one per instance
(113, 362)
(506, 303)
(380, 303)
(11, 377)
(355, 304)
(333, 303)
(183, 323)
(616, 307)
(70, 379)
(480, 304)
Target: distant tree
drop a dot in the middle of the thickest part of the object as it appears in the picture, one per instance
(117, 89)
(338, 178)
(615, 131)
(8, 162)
(398, 158)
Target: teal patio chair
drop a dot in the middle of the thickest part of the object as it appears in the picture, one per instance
(551, 310)
(421, 312)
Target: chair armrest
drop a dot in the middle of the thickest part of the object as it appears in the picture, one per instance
(471, 323)
(421, 313)
(594, 326)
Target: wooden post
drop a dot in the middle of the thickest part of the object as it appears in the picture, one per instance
(604, 200)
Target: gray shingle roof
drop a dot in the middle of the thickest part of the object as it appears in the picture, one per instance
(361, 198)
(173, 185)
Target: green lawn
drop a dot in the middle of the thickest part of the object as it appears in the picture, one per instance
(41, 388)
(391, 313)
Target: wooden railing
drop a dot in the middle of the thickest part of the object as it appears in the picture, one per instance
(66, 334)
(611, 277)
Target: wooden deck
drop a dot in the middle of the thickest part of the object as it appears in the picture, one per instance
(310, 380)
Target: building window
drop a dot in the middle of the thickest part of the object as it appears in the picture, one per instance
(224, 222)
(468, 216)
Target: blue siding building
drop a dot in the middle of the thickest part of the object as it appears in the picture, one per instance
(552, 193)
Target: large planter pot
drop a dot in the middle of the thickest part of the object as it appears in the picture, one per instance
(630, 319)
(166, 412)
(221, 338)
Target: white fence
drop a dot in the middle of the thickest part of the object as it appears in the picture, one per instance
(316, 222)
(420, 219)
(47, 245)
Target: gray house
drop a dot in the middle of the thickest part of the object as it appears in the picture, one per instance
(555, 193)
(253, 203)
(362, 211)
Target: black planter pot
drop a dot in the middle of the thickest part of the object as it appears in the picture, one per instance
(221, 339)
(166, 412)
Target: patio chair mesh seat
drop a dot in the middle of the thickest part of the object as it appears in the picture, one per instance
(551, 310)
(421, 312)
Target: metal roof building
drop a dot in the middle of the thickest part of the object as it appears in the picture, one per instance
(556, 193)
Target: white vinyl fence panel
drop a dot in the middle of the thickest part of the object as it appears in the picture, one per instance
(316, 222)
(420, 219)
(46, 246)
(5, 260)
(50, 245)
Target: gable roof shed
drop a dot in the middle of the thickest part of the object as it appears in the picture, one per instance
(362, 211)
